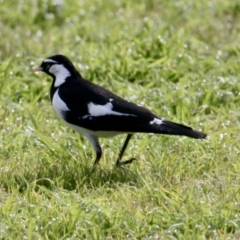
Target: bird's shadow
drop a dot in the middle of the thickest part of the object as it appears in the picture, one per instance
(95, 177)
(72, 178)
(89, 177)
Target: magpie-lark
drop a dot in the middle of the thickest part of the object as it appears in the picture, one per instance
(96, 112)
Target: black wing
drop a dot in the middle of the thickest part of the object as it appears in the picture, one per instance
(134, 118)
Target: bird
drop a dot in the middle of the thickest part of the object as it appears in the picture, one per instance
(96, 112)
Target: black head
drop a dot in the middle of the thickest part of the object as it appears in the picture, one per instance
(59, 67)
(57, 61)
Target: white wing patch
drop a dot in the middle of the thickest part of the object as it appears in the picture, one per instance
(156, 121)
(60, 73)
(49, 60)
(96, 110)
(59, 105)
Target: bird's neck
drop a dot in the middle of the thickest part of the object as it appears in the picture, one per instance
(53, 89)
(60, 79)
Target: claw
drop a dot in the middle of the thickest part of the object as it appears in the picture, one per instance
(120, 164)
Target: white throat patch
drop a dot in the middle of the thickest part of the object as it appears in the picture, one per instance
(60, 73)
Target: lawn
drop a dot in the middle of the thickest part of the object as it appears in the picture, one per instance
(181, 59)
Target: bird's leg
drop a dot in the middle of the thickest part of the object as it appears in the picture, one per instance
(118, 162)
(94, 141)
(98, 155)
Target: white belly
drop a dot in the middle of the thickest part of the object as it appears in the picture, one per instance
(84, 131)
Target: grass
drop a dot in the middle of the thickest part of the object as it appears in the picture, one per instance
(178, 58)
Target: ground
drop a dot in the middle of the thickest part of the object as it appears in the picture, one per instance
(178, 58)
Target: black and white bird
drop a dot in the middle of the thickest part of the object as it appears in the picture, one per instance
(96, 112)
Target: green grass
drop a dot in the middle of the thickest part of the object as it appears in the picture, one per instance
(181, 59)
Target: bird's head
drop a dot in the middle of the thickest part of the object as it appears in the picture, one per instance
(57, 66)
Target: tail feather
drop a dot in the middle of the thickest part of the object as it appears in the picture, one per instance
(171, 128)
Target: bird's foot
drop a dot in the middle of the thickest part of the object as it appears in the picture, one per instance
(121, 164)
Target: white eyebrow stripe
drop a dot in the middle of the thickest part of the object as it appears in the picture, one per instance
(49, 60)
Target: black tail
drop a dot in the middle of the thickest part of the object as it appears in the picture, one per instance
(171, 128)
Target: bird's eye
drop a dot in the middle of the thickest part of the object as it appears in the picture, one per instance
(47, 66)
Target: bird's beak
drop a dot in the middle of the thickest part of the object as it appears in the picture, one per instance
(37, 69)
